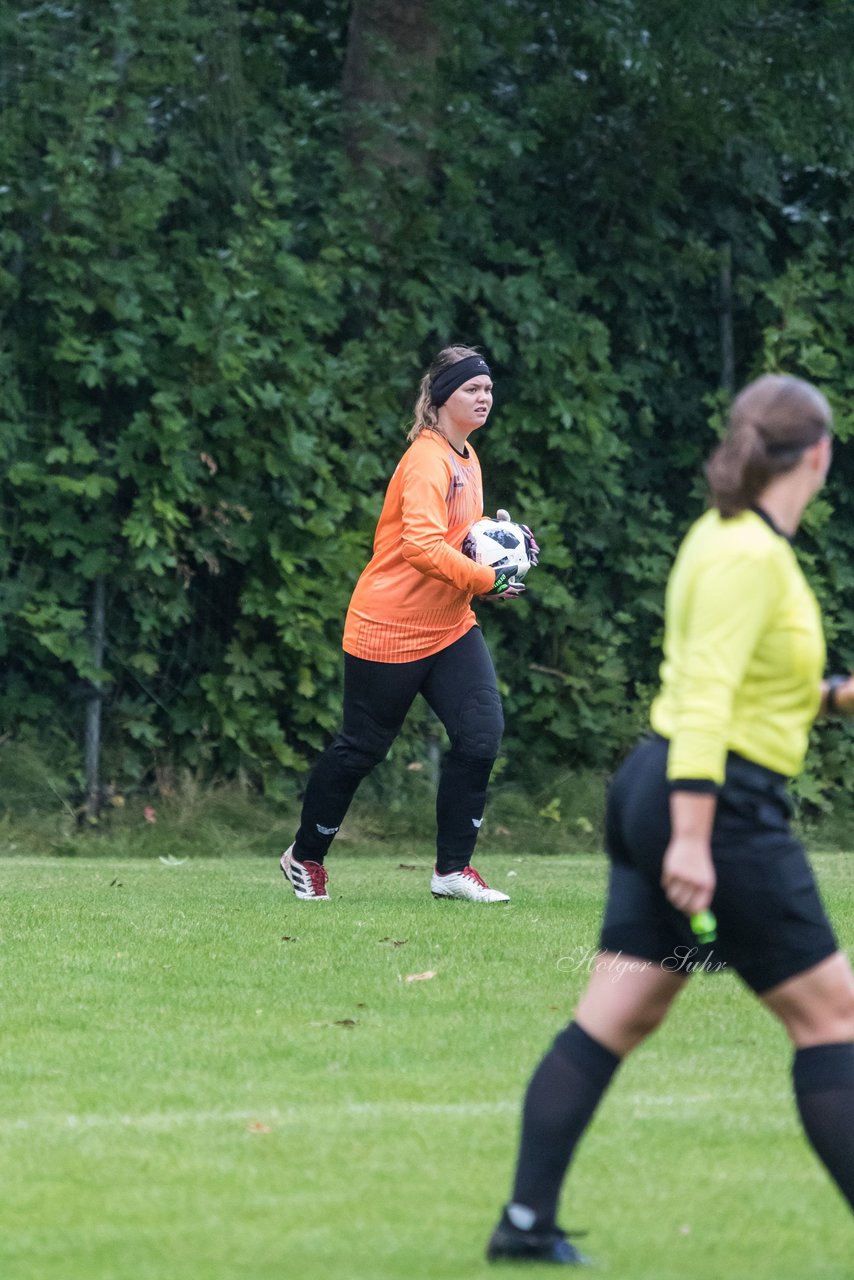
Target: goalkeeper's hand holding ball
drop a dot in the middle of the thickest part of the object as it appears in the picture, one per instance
(531, 545)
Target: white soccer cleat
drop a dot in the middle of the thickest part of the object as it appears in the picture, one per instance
(308, 879)
(466, 884)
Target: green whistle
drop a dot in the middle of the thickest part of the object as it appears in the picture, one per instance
(704, 926)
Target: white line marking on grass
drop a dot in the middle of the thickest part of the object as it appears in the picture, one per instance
(666, 1101)
(162, 1121)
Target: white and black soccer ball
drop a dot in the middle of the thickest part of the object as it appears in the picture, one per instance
(498, 543)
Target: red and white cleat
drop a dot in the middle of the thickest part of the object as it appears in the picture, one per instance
(466, 884)
(308, 879)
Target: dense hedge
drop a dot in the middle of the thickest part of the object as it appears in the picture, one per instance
(215, 312)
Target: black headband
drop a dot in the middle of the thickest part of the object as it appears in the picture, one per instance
(450, 379)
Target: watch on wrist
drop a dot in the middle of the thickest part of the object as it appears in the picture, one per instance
(831, 706)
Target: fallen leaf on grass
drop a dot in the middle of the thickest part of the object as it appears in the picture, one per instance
(116, 884)
(286, 937)
(407, 866)
(345, 1022)
(395, 942)
(257, 1127)
(420, 977)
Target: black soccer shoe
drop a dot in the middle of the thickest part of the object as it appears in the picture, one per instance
(509, 1244)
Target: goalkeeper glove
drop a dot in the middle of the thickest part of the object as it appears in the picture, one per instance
(504, 586)
(531, 545)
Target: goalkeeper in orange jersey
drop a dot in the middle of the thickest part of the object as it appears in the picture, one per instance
(410, 629)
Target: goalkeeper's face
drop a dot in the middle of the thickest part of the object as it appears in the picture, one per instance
(469, 406)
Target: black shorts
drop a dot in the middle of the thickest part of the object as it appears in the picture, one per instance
(771, 921)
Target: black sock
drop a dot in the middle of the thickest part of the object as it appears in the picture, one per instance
(559, 1104)
(824, 1088)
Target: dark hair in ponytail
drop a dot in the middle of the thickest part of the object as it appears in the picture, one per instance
(772, 421)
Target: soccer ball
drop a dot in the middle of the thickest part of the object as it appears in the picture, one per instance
(498, 543)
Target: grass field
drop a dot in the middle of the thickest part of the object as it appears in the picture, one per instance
(201, 1078)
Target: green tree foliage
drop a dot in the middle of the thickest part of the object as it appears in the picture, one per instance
(225, 260)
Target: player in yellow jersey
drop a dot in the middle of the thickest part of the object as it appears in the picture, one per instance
(698, 818)
(410, 629)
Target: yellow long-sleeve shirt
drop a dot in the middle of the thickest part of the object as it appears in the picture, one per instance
(414, 596)
(743, 651)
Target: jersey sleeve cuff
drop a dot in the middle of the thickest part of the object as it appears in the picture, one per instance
(486, 580)
(700, 786)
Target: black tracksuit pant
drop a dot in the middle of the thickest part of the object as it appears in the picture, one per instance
(459, 683)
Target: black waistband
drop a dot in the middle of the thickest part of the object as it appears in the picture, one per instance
(746, 772)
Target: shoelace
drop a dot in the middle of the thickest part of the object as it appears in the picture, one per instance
(474, 875)
(318, 875)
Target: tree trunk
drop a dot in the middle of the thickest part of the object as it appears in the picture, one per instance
(389, 84)
(93, 705)
(725, 318)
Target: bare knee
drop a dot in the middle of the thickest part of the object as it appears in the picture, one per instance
(816, 1007)
(640, 1022)
(830, 1024)
(621, 1034)
(622, 1017)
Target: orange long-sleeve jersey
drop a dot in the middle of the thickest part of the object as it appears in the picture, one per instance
(414, 596)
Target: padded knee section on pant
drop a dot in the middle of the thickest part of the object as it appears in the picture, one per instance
(480, 725)
(360, 755)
